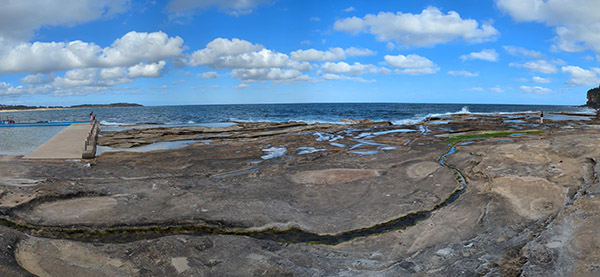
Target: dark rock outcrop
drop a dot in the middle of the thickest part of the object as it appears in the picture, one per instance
(593, 98)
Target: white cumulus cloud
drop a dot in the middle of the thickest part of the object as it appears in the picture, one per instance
(487, 55)
(152, 70)
(88, 67)
(337, 77)
(428, 28)
(19, 19)
(349, 9)
(333, 54)
(251, 62)
(269, 74)
(535, 90)
(37, 79)
(233, 7)
(235, 53)
(345, 68)
(463, 73)
(576, 22)
(581, 77)
(209, 75)
(540, 80)
(541, 66)
(514, 50)
(131, 49)
(411, 64)
(496, 89)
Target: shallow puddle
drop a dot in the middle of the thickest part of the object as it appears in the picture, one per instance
(308, 150)
(165, 145)
(337, 145)
(562, 117)
(515, 121)
(371, 152)
(273, 152)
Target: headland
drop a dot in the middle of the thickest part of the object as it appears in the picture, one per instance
(16, 108)
(458, 195)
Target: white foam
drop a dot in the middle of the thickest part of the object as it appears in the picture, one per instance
(463, 110)
(107, 123)
(308, 150)
(327, 137)
(409, 121)
(273, 152)
(393, 131)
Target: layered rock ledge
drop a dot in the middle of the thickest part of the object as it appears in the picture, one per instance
(248, 199)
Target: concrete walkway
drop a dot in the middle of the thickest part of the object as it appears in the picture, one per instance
(68, 144)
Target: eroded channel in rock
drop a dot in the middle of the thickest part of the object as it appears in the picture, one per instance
(290, 235)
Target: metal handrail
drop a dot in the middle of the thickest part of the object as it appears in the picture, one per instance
(91, 137)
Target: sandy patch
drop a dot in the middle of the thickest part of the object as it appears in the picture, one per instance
(422, 169)
(587, 237)
(180, 264)
(45, 257)
(81, 210)
(333, 176)
(529, 153)
(530, 197)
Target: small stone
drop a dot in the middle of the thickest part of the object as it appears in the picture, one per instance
(444, 251)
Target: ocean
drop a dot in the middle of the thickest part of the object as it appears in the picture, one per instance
(21, 142)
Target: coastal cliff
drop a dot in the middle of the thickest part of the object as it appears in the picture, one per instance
(593, 98)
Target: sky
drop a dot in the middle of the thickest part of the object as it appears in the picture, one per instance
(189, 52)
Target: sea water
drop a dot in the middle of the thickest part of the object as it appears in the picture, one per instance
(311, 113)
(22, 141)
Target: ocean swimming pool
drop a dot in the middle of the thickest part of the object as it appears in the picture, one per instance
(22, 141)
(19, 138)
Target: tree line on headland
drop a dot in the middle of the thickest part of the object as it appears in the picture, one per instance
(593, 101)
(24, 107)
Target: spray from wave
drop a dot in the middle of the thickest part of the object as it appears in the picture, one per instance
(418, 119)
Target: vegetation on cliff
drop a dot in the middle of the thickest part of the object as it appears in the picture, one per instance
(593, 98)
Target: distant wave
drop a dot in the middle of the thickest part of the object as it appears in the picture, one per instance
(398, 114)
(102, 122)
(419, 119)
(464, 110)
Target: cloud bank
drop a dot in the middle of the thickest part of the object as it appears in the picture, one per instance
(428, 28)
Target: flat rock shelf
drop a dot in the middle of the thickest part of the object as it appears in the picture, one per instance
(474, 195)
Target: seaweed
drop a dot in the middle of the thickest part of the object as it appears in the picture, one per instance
(453, 139)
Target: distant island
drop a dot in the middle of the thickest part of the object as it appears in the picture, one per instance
(24, 107)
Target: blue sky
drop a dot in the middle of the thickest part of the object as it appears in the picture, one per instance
(179, 52)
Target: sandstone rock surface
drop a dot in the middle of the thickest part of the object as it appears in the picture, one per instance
(371, 202)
